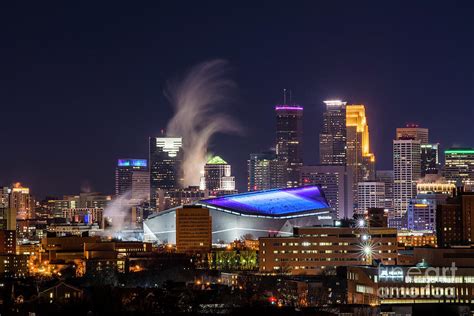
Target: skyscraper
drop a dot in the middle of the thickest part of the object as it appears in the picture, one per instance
(21, 202)
(218, 177)
(131, 175)
(289, 140)
(360, 161)
(429, 159)
(413, 131)
(166, 155)
(332, 140)
(370, 195)
(386, 176)
(7, 214)
(407, 171)
(265, 172)
(336, 183)
(459, 166)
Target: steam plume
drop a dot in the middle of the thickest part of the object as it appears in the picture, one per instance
(199, 100)
(118, 211)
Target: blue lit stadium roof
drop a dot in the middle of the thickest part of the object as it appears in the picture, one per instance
(277, 203)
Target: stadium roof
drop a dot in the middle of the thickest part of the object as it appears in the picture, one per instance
(277, 202)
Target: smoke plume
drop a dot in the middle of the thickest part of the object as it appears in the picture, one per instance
(118, 212)
(199, 101)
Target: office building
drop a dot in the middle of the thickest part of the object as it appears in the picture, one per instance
(440, 186)
(193, 229)
(417, 238)
(386, 176)
(312, 249)
(336, 183)
(256, 213)
(7, 214)
(407, 171)
(459, 167)
(370, 195)
(218, 179)
(289, 140)
(132, 178)
(413, 131)
(332, 140)
(421, 215)
(359, 160)
(429, 159)
(265, 172)
(165, 165)
(7, 241)
(21, 202)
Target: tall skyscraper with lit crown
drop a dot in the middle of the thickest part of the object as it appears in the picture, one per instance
(332, 140)
(289, 140)
(165, 165)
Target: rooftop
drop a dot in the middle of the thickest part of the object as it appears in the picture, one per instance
(276, 202)
(216, 160)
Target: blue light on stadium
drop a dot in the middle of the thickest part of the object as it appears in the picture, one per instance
(273, 202)
(132, 163)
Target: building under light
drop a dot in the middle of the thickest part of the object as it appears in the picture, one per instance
(132, 177)
(359, 158)
(459, 166)
(265, 172)
(256, 214)
(289, 140)
(332, 140)
(217, 178)
(166, 155)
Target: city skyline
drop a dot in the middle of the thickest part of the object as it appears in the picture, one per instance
(93, 93)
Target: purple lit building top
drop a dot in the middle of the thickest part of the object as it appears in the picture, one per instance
(277, 202)
(132, 163)
(288, 107)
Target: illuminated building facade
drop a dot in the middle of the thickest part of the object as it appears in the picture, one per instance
(417, 238)
(370, 194)
(406, 172)
(332, 140)
(257, 213)
(218, 179)
(459, 166)
(7, 215)
(429, 159)
(359, 157)
(7, 241)
(386, 176)
(265, 172)
(21, 202)
(165, 160)
(313, 249)
(336, 183)
(289, 140)
(132, 177)
(421, 215)
(440, 187)
(193, 229)
(413, 131)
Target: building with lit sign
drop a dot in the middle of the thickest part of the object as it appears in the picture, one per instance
(132, 177)
(258, 214)
(217, 178)
(421, 214)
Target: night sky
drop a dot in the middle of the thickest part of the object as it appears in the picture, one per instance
(81, 86)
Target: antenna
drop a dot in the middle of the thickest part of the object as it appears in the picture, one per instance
(284, 96)
(290, 97)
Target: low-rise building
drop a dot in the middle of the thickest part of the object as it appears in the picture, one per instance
(312, 249)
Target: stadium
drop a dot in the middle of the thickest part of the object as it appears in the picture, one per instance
(259, 214)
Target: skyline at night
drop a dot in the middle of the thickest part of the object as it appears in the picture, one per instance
(232, 158)
(85, 95)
